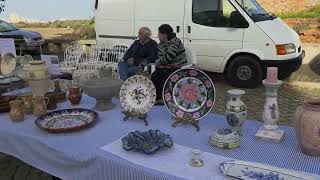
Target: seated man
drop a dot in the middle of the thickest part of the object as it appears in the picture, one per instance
(142, 51)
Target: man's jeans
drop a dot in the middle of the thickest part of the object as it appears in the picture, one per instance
(126, 71)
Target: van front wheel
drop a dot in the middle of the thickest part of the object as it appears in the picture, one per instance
(244, 72)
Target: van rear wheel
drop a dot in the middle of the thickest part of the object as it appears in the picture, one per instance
(244, 72)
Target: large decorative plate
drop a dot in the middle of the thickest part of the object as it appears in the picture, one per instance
(189, 93)
(8, 64)
(137, 94)
(250, 171)
(66, 120)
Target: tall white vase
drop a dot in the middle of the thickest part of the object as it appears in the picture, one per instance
(236, 110)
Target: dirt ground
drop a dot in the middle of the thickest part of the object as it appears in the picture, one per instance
(309, 28)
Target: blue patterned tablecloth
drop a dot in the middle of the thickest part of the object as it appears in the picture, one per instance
(78, 155)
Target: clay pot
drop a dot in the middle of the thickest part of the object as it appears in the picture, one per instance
(307, 127)
(75, 95)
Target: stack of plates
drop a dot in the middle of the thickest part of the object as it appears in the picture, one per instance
(225, 139)
(4, 103)
(8, 80)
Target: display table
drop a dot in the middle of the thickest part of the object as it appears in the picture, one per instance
(79, 155)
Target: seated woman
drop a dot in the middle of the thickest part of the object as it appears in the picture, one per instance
(171, 57)
(142, 51)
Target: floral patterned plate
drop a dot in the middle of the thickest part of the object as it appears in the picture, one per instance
(137, 94)
(66, 120)
(249, 171)
(189, 93)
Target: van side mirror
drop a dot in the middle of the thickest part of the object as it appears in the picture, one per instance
(238, 21)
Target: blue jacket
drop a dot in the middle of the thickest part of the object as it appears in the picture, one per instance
(146, 53)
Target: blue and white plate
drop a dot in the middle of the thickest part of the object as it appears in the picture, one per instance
(249, 171)
(66, 120)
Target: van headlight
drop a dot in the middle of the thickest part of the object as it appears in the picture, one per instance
(286, 49)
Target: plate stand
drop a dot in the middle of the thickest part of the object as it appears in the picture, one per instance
(135, 115)
(186, 120)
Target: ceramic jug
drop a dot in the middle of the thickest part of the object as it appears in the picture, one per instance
(27, 102)
(52, 101)
(75, 94)
(16, 110)
(236, 110)
(307, 127)
(37, 70)
(40, 105)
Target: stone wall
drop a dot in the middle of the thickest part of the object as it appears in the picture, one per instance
(279, 6)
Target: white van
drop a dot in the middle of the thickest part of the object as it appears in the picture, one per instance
(235, 37)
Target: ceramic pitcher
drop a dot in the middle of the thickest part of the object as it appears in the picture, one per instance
(40, 105)
(236, 110)
(27, 104)
(75, 94)
(307, 127)
(16, 110)
(52, 101)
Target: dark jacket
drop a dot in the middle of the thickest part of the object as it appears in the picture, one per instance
(146, 53)
(172, 53)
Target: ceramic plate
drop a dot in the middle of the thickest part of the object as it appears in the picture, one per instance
(249, 171)
(8, 64)
(66, 120)
(189, 93)
(137, 94)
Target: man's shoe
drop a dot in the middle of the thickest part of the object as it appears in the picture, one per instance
(159, 102)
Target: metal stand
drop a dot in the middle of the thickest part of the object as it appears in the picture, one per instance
(186, 120)
(270, 129)
(135, 115)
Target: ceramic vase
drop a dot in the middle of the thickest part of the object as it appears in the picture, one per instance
(236, 110)
(307, 127)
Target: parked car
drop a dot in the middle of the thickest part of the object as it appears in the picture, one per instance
(235, 37)
(25, 41)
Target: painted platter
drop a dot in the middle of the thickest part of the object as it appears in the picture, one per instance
(189, 93)
(137, 94)
(250, 171)
(8, 64)
(67, 120)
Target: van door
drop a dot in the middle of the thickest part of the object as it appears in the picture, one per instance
(210, 31)
(153, 13)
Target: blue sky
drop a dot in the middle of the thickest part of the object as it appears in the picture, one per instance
(49, 9)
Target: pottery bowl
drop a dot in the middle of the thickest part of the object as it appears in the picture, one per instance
(102, 90)
(147, 142)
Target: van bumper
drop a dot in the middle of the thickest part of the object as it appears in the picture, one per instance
(285, 67)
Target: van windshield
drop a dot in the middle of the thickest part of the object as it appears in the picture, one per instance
(255, 11)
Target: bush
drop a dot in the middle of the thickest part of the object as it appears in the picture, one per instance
(310, 13)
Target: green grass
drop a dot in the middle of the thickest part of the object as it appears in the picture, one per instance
(310, 13)
(60, 24)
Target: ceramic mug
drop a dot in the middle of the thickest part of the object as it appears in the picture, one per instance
(16, 110)
(27, 101)
(52, 101)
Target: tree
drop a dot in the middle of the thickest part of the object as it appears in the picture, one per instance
(2, 5)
